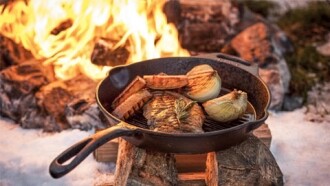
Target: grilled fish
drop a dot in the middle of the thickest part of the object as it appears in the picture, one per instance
(171, 112)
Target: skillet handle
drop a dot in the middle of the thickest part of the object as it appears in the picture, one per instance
(236, 61)
(82, 149)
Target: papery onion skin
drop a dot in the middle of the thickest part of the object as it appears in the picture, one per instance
(228, 107)
(204, 83)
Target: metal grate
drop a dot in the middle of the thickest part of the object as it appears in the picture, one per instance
(209, 125)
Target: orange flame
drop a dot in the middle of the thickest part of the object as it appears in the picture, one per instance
(138, 23)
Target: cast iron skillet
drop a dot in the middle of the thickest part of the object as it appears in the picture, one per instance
(234, 73)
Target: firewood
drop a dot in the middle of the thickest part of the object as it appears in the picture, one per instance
(18, 85)
(137, 166)
(105, 53)
(71, 104)
(249, 163)
(12, 53)
(62, 26)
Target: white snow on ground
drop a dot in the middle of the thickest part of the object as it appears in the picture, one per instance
(301, 148)
(25, 156)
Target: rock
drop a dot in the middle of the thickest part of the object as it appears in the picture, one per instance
(206, 26)
(265, 44)
(318, 107)
(253, 44)
(292, 102)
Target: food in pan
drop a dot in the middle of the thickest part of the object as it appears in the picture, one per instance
(228, 107)
(133, 103)
(175, 103)
(172, 112)
(136, 85)
(164, 81)
(204, 83)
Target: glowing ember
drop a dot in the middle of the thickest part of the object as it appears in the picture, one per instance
(139, 25)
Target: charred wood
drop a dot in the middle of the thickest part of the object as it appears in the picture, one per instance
(71, 104)
(105, 53)
(18, 84)
(30, 96)
(62, 26)
(12, 53)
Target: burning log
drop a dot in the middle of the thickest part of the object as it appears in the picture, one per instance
(18, 85)
(249, 163)
(12, 53)
(137, 166)
(30, 97)
(71, 104)
(62, 26)
(105, 54)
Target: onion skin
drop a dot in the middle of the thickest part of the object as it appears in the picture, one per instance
(228, 107)
(204, 83)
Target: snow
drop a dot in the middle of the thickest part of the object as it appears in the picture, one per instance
(26, 155)
(301, 148)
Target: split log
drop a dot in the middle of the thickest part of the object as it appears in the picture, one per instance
(137, 166)
(264, 134)
(12, 53)
(249, 163)
(191, 168)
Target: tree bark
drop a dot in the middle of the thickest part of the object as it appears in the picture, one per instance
(249, 163)
(136, 166)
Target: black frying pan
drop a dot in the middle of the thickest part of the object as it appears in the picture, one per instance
(234, 73)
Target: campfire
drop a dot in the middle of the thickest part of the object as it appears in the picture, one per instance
(69, 46)
(54, 53)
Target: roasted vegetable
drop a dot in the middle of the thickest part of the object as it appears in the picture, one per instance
(204, 83)
(228, 107)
